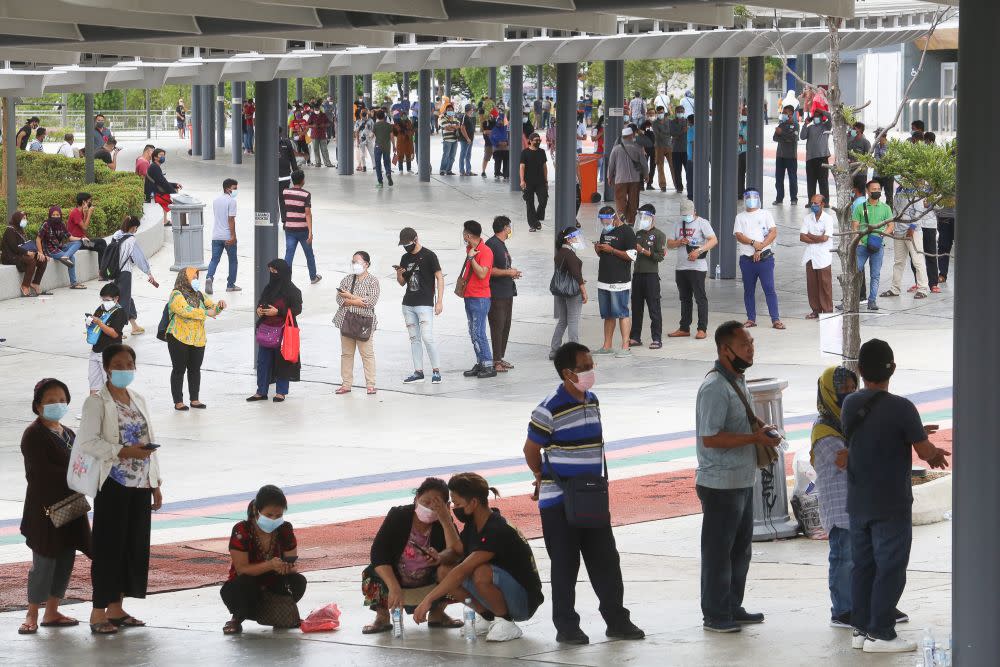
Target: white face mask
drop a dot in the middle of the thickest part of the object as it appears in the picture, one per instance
(357, 268)
(24, 223)
(577, 245)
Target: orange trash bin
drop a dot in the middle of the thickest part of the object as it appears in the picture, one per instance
(586, 173)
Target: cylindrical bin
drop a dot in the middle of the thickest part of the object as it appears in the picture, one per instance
(586, 169)
(187, 218)
(770, 492)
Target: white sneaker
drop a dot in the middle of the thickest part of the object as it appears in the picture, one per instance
(502, 630)
(897, 645)
(858, 640)
(482, 626)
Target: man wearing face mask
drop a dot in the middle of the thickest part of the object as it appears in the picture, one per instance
(726, 444)
(419, 271)
(224, 235)
(101, 131)
(873, 215)
(786, 160)
(817, 233)
(662, 143)
(616, 250)
(626, 170)
(755, 233)
(565, 440)
(816, 133)
(693, 237)
(476, 272)
(650, 248)
(678, 157)
(534, 172)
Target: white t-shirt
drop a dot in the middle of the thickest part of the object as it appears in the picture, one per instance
(581, 131)
(818, 253)
(223, 207)
(755, 226)
(697, 233)
(66, 150)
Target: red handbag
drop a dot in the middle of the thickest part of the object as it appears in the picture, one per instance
(290, 340)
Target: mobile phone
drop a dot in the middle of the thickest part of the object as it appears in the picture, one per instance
(396, 266)
(151, 447)
(88, 314)
(419, 548)
(289, 559)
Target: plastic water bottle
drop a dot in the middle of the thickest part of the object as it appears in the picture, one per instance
(397, 622)
(469, 616)
(927, 648)
(718, 272)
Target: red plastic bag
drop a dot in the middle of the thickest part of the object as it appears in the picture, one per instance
(324, 619)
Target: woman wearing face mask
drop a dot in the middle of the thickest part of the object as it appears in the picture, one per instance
(413, 541)
(358, 294)
(364, 139)
(157, 187)
(186, 337)
(46, 446)
(55, 241)
(279, 297)
(116, 430)
(104, 329)
(29, 262)
(264, 551)
(567, 309)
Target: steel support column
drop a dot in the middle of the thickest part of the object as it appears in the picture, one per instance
(702, 136)
(367, 87)
(540, 83)
(10, 162)
(89, 146)
(149, 130)
(614, 93)
(447, 82)
(194, 113)
(755, 123)
(516, 124)
(565, 200)
(281, 103)
(236, 139)
(265, 181)
(345, 124)
(424, 125)
(725, 130)
(207, 122)
(220, 116)
(492, 84)
(299, 93)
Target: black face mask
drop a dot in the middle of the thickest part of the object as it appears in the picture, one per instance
(461, 514)
(740, 365)
(875, 195)
(273, 279)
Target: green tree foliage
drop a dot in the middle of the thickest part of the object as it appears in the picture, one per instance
(930, 169)
(646, 76)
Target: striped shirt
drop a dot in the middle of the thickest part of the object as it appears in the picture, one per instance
(297, 201)
(570, 433)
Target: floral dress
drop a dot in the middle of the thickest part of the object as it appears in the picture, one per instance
(134, 430)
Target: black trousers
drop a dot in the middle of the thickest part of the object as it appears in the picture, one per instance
(499, 318)
(184, 358)
(691, 286)
(651, 161)
(888, 187)
(726, 536)
(500, 163)
(646, 290)
(818, 174)
(946, 238)
(120, 566)
(536, 213)
(97, 245)
(741, 174)
(680, 162)
(930, 252)
(242, 594)
(880, 549)
(565, 544)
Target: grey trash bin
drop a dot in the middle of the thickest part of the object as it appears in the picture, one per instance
(187, 217)
(770, 493)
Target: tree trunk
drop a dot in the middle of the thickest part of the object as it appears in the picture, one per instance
(849, 274)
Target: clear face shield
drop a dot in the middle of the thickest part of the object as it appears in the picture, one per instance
(644, 220)
(605, 223)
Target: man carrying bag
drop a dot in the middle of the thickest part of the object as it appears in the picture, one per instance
(571, 486)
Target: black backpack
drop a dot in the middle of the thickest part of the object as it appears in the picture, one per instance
(111, 261)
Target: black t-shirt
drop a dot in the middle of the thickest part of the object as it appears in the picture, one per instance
(419, 272)
(117, 321)
(470, 127)
(878, 467)
(103, 155)
(534, 166)
(510, 552)
(500, 287)
(611, 269)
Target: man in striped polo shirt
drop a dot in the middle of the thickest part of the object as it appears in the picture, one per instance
(566, 426)
(299, 223)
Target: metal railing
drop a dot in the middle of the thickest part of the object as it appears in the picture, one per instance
(939, 114)
(119, 122)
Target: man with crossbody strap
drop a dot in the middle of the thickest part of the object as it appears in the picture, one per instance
(726, 444)
(566, 428)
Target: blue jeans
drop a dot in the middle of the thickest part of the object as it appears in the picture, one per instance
(265, 362)
(448, 149)
(514, 595)
(465, 157)
(764, 272)
(248, 137)
(217, 248)
(68, 251)
(840, 571)
(295, 237)
(382, 158)
(874, 268)
(420, 325)
(881, 552)
(476, 310)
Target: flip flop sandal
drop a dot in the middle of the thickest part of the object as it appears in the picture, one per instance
(78, 286)
(374, 629)
(106, 628)
(62, 622)
(126, 622)
(232, 628)
(451, 623)
(778, 325)
(749, 324)
(27, 629)
(655, 345)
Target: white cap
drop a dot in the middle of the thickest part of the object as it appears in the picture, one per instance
(627, 132)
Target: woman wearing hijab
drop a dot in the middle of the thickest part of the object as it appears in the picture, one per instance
(116, 430)
(278, 298)
(358, 294)
(186, 338)
(29, 262)
(46, 446)
(55, 241)
(831, 483)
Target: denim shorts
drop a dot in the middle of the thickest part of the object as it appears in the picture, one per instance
(513, 594)
(613, 305)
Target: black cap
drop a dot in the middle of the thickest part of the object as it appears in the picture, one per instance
(876, 360)
(407, 235)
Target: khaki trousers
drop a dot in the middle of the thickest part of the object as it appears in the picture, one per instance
(367, 349)
(819, 287)
(903, 249)
(662, 154)
(627, 200)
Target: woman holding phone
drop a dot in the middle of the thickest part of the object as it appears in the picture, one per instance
(116, 430)
(279, 297)
(264, 551)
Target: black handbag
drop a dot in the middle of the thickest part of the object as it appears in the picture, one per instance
(563, 284)
(357, 326)
(585, 497)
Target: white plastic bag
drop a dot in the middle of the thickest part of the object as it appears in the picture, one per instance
(805, 474)
(84, 472)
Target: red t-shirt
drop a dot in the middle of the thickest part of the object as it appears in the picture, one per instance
(243, 539)
(141, 165)
(479, 287)
(73, 223)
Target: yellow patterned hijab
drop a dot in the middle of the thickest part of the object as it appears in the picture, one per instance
(832, 386)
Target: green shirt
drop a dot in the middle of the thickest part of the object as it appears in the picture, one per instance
(877, 215)
(383, 135)
(650, 239)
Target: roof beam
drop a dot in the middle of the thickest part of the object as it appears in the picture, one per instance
(46, 29)
(63, 12)
(594, 23)
(426, 9)
(841, 8)
(353, 36)
(226, 9)
(43, 56)
(567, 5)
(113, 48)
(707, 14)
(457, 29)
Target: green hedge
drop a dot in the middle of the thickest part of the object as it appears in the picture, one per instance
(44, 180)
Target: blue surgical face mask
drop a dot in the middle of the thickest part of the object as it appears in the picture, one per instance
(817, 120)
(233, 193)
(608, 227)
(743, 119)
(267, 524)
(815, 208)
(854, 133)
(687, 218)
(196, 285)
(163, 158)
(54, 411)
(122, 379)
(782, 117)
(752, 203)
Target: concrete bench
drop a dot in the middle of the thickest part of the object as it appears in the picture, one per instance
(151, 239)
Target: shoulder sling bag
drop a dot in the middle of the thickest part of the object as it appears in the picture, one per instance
(863, 413)
(873, 242)
(462, 281)
(585, 497)
(765, 455)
